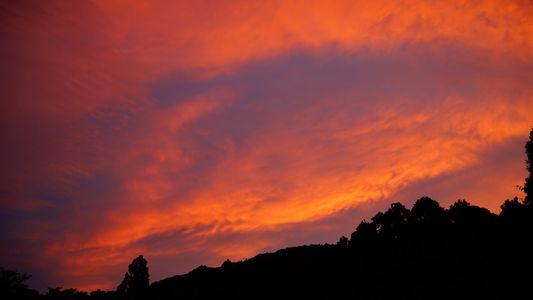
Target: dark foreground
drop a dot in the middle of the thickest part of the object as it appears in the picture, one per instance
(423, 253)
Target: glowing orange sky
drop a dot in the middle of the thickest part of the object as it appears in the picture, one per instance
(198, 131)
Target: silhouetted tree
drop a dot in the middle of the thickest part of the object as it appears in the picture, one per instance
(391, 224)
(136, 281)
(343, 242)
(464, 214)
(460, 204)
(59, 293)
(123, 287)
(528, 185)
(427, 211)
(12, 285)
(512, 209)
(426, 221)
(103, 295)
(226, 264)
(364, 234)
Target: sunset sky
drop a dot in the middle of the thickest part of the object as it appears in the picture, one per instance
(196, 131)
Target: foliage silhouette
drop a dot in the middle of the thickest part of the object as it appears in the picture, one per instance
(136, 281)
(66, 294)
(12, 285)
(426, 252)
(343, 241)
(528, 185)
(123, 287)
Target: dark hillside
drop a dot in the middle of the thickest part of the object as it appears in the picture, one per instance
(424, 253)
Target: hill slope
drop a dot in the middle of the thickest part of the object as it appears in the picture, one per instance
(426, 252)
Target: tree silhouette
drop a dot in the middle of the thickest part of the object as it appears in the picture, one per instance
(226, 264)
(12, 285)
(391, 224)
(364, 234)
(427, 211)
(512, 209)
(124, 285)
(59, 293)
(465, 215)
(137, 280)
(528, 186)
(343, 242)
(427, 220)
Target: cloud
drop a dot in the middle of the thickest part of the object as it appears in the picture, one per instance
(192, 135)
(218, 36)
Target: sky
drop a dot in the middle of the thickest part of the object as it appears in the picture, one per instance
(198, 131)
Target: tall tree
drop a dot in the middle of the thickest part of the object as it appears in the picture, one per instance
(137, 280)
(124, 285)
(528, 186)
(13, 286)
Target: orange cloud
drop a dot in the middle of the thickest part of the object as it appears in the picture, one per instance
(216, 36)
(195, 131)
